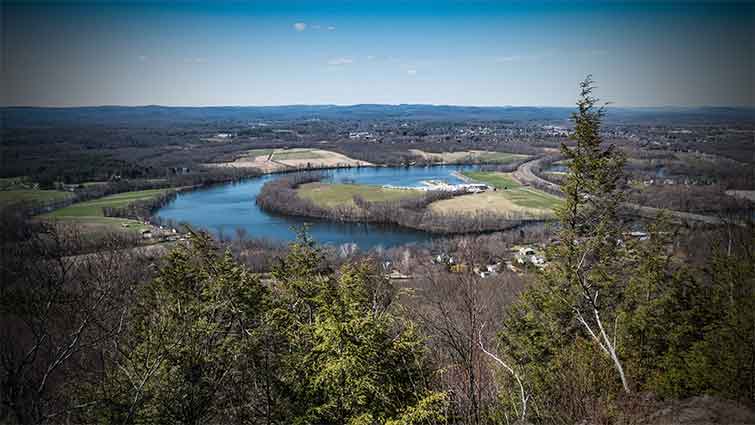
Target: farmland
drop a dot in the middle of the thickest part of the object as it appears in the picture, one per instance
(489, 157)
(92, 213)
(272, 160)
(509, 197)
(333, 195)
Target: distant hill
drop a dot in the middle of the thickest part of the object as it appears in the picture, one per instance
(162, 116)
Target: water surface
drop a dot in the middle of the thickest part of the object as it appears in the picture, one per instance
(224, 208)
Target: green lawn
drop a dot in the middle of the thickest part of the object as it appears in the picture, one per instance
(524, 196)
(94, 207)
(330, 195)
(10, 197)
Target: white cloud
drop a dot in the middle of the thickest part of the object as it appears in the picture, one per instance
(300, 26)
(412, 72)
(340, 61)
(331, 28)
(370, 57)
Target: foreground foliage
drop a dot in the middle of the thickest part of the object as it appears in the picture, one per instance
(210, 342)
(612, 316)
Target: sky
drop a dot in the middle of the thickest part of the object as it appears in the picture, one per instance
(520, 53)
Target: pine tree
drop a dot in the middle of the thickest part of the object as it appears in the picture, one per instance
(349, 359)
(193, 335)
(587, 263)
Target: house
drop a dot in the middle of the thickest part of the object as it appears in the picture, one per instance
(527, 255)
(643, 236)
(537, 261)
(397, 275)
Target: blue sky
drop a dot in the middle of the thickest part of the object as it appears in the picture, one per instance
(440, 52)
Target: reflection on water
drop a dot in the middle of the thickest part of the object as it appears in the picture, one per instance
(224, 208)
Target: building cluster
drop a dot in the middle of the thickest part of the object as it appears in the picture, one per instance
(487, 270)
(361, 135)
(528, 256)
(442, 186)
(555, 131)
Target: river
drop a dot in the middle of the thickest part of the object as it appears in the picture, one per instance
(225, 208)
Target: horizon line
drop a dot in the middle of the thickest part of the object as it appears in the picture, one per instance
(347, 105)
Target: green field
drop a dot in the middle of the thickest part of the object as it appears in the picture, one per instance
(495, 179)
(523, 196)
(491, 157)
(10, 197)
(94, 207)
(331, 195)
(296, 154)
(91, 212)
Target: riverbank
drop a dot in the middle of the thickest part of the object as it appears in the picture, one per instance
(294, 196)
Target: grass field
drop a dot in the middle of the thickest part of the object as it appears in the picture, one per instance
(331, 195)
(290, 154)
(10, 197)
(94, 207)
(91, 212)
(471, 156)
(499, 157)
(510, 196)
(254, 153)
(497, 180)
(105, 223)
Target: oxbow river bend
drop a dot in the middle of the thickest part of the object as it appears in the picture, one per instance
(225, 208)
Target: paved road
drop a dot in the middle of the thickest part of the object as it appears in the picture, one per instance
(525, 175)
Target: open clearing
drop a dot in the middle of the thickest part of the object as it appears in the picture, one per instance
(91, 212)
(509, 197)
(333, 195)
(10, 197)
(470, 156)
(271, 160)
(495, 202)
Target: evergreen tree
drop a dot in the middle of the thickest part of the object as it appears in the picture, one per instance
(193, 336)
(563, 335)
(610, 315)
(589, 260)
(349, 359)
